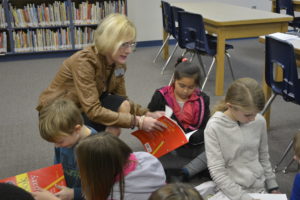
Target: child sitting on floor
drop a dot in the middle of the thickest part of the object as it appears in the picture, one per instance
(190, 110)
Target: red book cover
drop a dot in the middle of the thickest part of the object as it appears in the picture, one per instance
(45, 178)
(159, 143)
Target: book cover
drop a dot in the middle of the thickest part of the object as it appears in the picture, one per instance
(159, 143)
(45, 178)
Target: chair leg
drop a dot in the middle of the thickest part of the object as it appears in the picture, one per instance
(209, 70)
(161, 48)
(230, 66)
(201, 64)
(269, 102)
(166, 64)
(285, 170)
(283, 156)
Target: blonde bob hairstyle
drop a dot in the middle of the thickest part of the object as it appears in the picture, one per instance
(114, 30)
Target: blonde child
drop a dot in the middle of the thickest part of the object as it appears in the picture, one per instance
(190, 110)
(176, 191)
(236, 143)
(295, 194)
(61, 123)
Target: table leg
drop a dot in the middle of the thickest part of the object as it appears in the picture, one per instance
(267, 91)
(219, 87)
(166, 47)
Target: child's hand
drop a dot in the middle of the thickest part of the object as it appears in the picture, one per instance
(156, 114)
(275, 192)
(65, 193)
(42, 194)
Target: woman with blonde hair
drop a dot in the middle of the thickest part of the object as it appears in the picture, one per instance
(236, 143)
(94, 79)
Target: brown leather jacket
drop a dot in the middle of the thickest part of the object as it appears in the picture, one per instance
(83, 78)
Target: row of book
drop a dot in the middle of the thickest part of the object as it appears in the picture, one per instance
(42, 40)
(3, 42)
(2, 17)
(83, 37)
(57, 14)
(88, 13)
(31, 15)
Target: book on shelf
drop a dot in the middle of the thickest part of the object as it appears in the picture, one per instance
(159, 143)
(46, 178)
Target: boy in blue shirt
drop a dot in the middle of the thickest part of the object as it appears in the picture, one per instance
(61, 123)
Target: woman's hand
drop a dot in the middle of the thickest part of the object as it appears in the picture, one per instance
(151, 124)
(156, 114)
(42, 194)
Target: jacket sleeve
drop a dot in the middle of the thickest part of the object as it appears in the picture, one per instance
(85, 85)
(157, 102)
(216, 166)
(206, 112)
(264, 159)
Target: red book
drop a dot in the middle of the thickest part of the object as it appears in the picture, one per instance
(45, 178)
(159, 143)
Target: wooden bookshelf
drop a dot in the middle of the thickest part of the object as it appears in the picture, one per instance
(35, 26)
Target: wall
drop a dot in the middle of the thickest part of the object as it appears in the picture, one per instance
(146, 15)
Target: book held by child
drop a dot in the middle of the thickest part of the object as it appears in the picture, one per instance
(46, 178)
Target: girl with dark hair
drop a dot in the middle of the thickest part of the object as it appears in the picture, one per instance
(190, 110)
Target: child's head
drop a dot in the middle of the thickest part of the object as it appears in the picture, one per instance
(296, 145)
(176, 191)
(244, 99)
(101, 158)
(11, 192)
(60, 122)
(186, 78)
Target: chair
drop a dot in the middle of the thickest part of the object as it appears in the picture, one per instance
(174, 11)
(281, 54)
(287, 5)
(193, 38)
(167, 25)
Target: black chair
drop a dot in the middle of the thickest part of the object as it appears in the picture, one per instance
(281, 54)
(167, 25)
(193, 38)
(287, 6)
(174, 18)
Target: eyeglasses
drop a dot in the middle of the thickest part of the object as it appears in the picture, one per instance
(126, 45)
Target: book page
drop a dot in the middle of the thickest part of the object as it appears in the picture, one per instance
(268, 196)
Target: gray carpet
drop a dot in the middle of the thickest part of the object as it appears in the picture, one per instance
(21, 82)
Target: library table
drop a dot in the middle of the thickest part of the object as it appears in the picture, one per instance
(296, 5)
(230, 21)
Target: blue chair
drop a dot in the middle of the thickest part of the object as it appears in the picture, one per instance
(193, 38)
(167, 24)
(174, 18)
(281, 54)
(287, 6)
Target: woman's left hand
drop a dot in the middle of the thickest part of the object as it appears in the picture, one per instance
(156, 114)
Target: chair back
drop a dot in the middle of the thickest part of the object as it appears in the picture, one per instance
(167, 17)
(175, 11)
(191, 32)
(281, 54)
(286, 5)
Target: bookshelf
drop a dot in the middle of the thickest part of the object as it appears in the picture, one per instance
(45, 26)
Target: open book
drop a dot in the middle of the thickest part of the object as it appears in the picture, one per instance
(159, 143)
(45, 178)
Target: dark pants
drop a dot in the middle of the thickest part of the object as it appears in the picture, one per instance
(108, 101)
